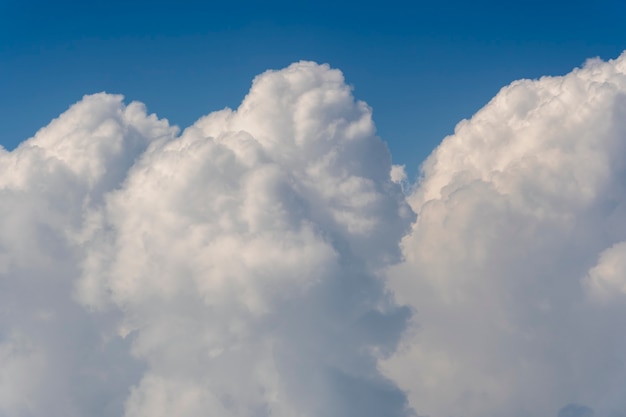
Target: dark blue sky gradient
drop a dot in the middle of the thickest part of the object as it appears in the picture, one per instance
(422, 66)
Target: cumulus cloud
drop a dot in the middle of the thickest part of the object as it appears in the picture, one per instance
(267, 261)
(235, 269)
(515, 266)
(55, 358)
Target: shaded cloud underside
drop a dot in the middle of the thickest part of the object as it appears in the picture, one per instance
(251, 266)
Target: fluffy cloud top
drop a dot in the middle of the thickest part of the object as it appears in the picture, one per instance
(516, 265)
(250, 266)
(234, 270)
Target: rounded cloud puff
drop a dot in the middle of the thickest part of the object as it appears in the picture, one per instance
(55, 357)
(515, 266)
(234, 270)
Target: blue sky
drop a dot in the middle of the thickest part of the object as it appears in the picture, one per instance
(268, 262)
(422, 66)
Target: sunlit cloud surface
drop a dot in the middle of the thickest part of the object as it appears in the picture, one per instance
(270, 261)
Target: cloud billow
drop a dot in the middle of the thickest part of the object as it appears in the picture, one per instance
(267, 262)
(515, 265)
(232, 270)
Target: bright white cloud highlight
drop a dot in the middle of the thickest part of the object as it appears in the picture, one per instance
(234, 270)
(520, 230)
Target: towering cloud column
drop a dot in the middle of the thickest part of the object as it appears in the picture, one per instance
(515, 266)
(234, 270)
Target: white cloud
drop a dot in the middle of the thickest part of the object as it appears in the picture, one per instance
(608, 278)
(57, 359)
(398, 174)
(242, 268)
(520, 218)
(232, 271)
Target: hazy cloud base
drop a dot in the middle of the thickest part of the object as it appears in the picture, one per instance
(266, 262)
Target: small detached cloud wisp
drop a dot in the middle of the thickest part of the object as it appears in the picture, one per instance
(271, 261)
